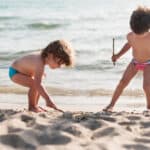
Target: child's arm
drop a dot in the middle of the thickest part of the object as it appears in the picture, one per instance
(42, 91)
(124, 49)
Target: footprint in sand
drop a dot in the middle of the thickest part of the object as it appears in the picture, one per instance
(72, 129)
(30, 121)
(93, 124)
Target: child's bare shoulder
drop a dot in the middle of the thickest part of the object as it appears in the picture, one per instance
(129, 36)
(31, 57)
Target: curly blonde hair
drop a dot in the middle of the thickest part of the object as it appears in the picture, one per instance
(60, 49)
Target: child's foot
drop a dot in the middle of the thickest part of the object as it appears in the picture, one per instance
(109, 108)
(35, 109)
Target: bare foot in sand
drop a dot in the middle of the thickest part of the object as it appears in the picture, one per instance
(109, 108)
(35, 109)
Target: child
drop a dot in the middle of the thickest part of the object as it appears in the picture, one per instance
(28, 71)
(139, 41)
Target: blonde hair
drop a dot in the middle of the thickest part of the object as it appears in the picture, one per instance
(60, 49)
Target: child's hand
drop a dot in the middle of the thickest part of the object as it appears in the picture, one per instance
(114, 58)
(52, 105)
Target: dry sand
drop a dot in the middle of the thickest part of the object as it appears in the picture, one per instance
(74, 130)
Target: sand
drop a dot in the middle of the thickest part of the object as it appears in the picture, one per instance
(53, 130)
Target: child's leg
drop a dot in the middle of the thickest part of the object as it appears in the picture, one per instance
(129, 73)
(33, 97)
(146, 84)
(37, 99)
(27, 81)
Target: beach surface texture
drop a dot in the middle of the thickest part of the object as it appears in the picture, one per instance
(80, 130)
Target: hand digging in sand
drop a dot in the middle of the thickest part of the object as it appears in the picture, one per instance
(52, 105)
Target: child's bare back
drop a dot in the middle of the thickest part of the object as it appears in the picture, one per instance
(29, 64)
(140, 44)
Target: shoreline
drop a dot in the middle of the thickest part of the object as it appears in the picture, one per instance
(77, 103)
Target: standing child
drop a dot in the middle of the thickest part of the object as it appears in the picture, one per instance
(28, 71)
(139, 41)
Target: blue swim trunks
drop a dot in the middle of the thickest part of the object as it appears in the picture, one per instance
(12, 72)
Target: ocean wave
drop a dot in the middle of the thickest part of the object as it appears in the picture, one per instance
(72, 92)
(33, 26)
(41, 25)
(91, 67)
(2, 18)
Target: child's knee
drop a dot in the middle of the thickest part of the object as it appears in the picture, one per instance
(31, 84)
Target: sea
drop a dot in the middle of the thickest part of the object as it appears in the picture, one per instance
(89, 25)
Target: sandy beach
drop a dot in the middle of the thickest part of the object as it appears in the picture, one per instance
(52, 130)
(27, 26)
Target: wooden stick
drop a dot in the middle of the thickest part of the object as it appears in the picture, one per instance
(113, 49)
